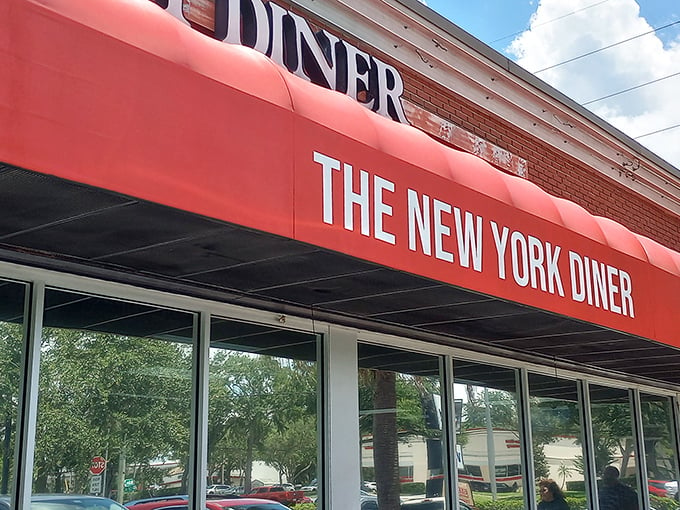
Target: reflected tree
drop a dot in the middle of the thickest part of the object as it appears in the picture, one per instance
(252, 397)
(11, 336)
(124, 397)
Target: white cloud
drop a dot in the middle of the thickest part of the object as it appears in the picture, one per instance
(623, 66)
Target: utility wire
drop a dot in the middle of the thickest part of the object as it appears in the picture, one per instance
(548, 21)
(629, 89)
(606, 47)
(657, 131)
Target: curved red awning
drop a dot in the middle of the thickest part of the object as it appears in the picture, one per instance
(119, 95)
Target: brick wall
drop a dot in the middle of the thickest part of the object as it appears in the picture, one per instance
(554, 171)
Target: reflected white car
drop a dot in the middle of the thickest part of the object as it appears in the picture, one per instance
(67, 502)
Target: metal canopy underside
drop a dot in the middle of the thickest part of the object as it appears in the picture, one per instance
(62, 225)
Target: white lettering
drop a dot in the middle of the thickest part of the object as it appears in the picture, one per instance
(612, 272)
(441, 230)
(599, 284)
(501, 244)
(358, 81)
(469, 243)
(536, 257)
(360, 199)
(626, 294)
(231, 33)
(305, 34)
(276, 46)
(328, 164)
(389, 102)
(381, 208)
(578, 285)
(554, 277)
(419, 217)
(518, 247)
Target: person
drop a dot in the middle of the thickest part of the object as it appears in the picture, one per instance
(613, 495)
(551, 496)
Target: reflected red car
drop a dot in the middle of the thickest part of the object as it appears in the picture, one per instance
(181, 503)
(662, 489)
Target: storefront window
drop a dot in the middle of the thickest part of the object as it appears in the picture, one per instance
(263, 412)
(556, 431)
(488, 438)
(662, 463)
(618, 483)
(114, 398)
(11, 342)
(400, 422)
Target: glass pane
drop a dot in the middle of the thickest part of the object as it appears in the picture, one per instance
(557, 440)
(11, 343)
(614, 442)
(487, 434)
(114, 398)
(263, 412)
(662, 464)
(400, 423)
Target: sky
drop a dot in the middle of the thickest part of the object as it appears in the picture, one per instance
(538, 34)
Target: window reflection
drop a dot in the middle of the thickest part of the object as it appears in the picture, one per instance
(11, 343)
(400, 425)
(263, 409)
(115, 382)
(557, 436)
(662, 463)
(488, 439)
(614, 447)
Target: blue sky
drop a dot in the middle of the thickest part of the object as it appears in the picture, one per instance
(540, 33)
(496, 21)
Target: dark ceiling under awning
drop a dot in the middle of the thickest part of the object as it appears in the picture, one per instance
(53, 223)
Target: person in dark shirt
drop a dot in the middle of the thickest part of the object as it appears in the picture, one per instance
(551, 496)
(613, 495)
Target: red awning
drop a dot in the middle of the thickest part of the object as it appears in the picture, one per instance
(119, 95)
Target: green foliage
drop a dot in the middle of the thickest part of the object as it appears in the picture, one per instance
(101, 393)
(502, 406)
(663, 503)
(412, 488)
(11, 342)
(500, 504)
(262, 408)
(304, 506)
(574, 502)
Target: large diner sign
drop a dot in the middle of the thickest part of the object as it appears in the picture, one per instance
(440, 226)
(265, 150)
(288, 40)
(327, 61)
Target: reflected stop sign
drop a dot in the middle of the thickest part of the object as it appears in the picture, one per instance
(97, 465)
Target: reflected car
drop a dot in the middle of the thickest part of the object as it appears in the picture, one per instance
(369, 501)
(233, 503)
(67, 502)
(157, 502)
(662, 488)
(436, 503)
(220, 489)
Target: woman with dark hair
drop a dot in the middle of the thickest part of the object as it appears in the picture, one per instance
(551, 496)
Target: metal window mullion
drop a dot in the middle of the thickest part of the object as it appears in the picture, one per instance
(675, 416)
(640, 457)
(27, 417)
(588, 445)
(449, 434)
(198, 447)
(526, 438)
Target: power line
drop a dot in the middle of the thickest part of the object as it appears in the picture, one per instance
(549, 21)
(605, 47)
(657, 131)
(629, 89)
